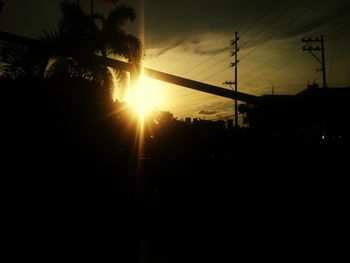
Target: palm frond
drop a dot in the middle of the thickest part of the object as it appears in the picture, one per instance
(119, 15)
(50, 35)
(20, 61)
(129, 47)
(74, 20)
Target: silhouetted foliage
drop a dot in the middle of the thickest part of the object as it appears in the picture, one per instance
(64, 141)
(163, 119)
(194, 196)
(80, 35)
(71, 48)
(18, 61)
(74, 178)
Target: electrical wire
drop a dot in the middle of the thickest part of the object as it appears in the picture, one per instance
(295, 18)
(258, 38)
(265, 13)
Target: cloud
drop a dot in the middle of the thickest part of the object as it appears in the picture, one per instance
(205, 112)
(166, 21)
(206, 44)
(168, 45)
(204, 28)
(209, 50)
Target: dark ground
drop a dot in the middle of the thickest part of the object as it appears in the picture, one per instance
(72, 192)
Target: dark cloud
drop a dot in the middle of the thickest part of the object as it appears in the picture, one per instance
(209, 51)
(173, 23)
(208, 113)
(170, 19)
(323, 17)
(264, 20)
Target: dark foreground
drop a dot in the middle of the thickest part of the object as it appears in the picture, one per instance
(75, 191)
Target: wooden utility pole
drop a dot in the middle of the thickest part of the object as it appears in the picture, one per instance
(323, 62)
(234, 64)
(310, 47)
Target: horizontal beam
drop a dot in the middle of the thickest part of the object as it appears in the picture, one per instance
(199, 86)
(135, 71)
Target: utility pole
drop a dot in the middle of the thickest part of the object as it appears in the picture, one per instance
(234, 53)
(310, 47)
(234, 64)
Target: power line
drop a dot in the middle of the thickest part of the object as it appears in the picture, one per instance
(272, 62)
(220, 72)
(283, 61)
(198, 64)
(298, 16)
(282, 65)
(255, 41)
(191, 69)
(334, 46)
(265, 13)
(278, 63)
(285, 64)
(260, 77)
(275, 62)
(211, 66)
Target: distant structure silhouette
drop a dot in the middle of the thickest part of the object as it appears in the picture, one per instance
(313, 114)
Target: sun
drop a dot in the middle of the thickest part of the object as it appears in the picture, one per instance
(145, 97)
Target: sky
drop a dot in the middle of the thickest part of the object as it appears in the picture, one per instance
(191, 38)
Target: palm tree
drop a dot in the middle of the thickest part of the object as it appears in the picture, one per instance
(80, 37)
(83, 35)
(18, 61)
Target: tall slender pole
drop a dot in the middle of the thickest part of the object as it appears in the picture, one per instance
(234, 53)
(323, 63)
(236, 79)
(310, 47)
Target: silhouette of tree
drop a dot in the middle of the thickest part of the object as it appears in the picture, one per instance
(161, 122)
(163, 118)
(79, 37)
(18, 61)
(82, 36)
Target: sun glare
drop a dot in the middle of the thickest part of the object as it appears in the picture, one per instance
(144, 98)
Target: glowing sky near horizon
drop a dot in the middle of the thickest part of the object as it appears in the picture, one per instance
(191, 39)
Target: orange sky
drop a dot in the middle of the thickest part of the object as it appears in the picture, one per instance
(191, 39)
